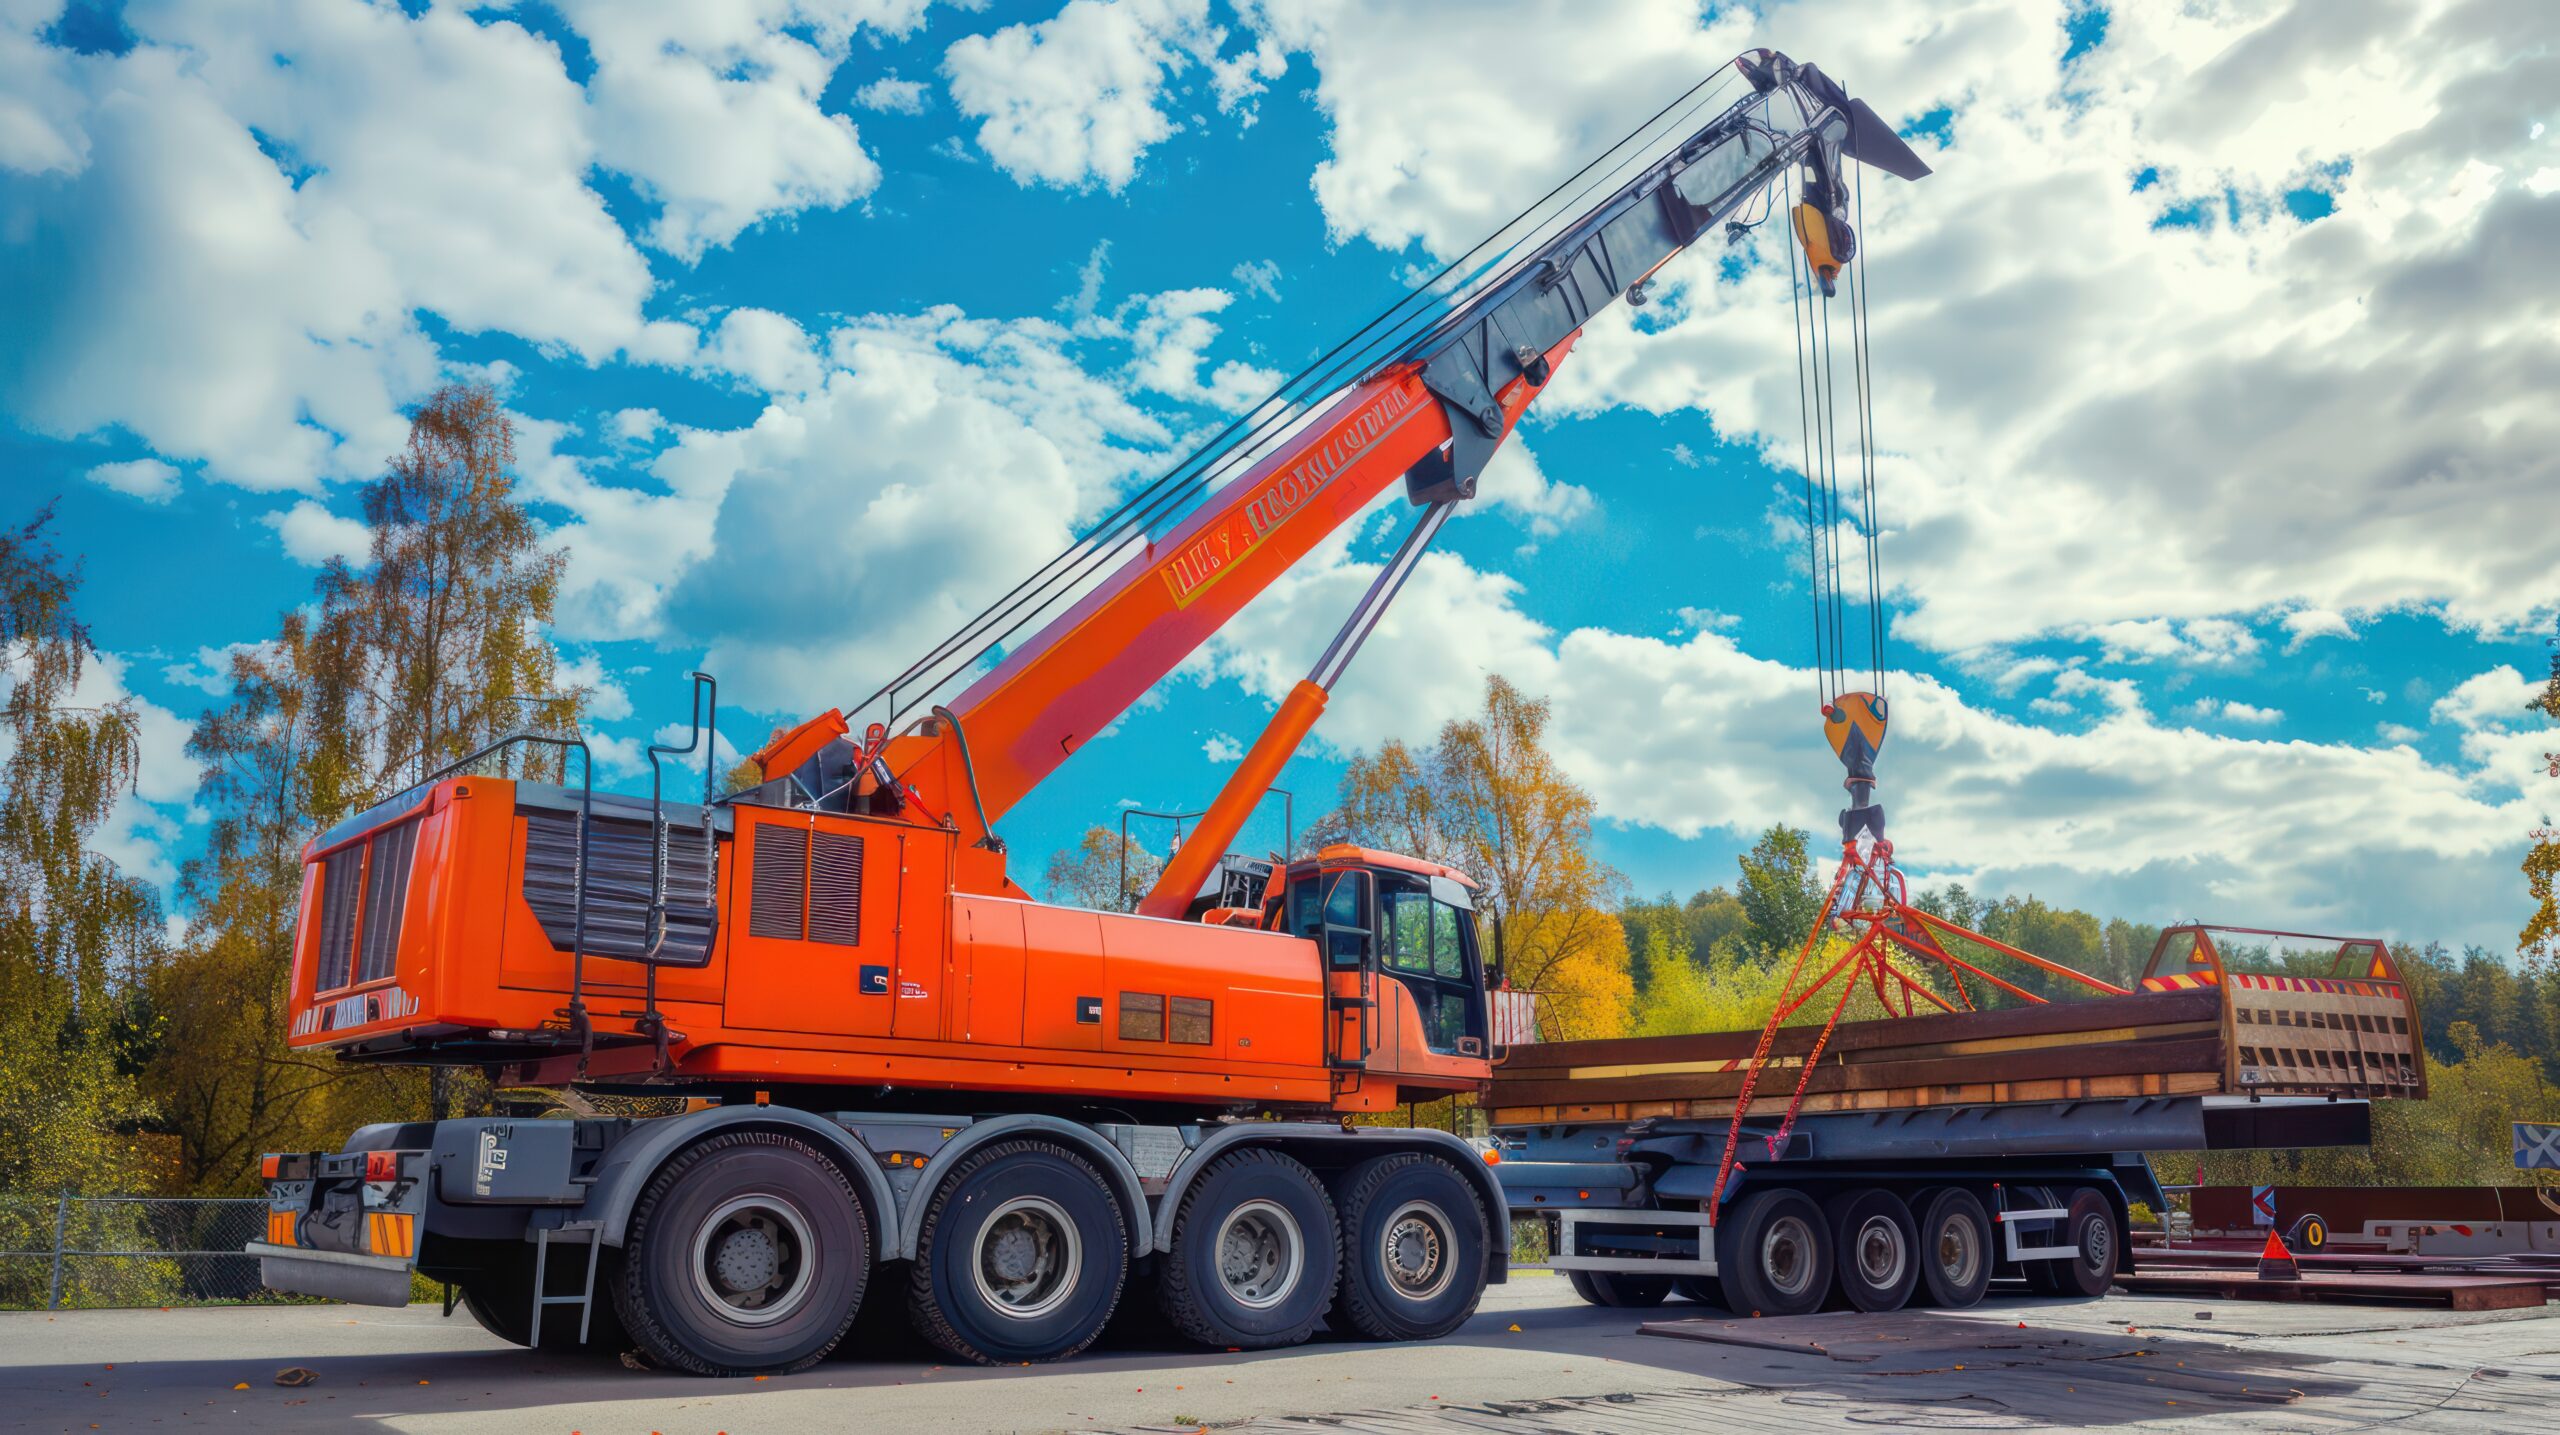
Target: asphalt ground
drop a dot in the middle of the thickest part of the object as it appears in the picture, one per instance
(1534, 1360)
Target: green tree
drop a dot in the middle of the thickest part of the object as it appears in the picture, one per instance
(1779, 897)
(435, 645)
(1089, 874)
(1488, 799)
(73, 928)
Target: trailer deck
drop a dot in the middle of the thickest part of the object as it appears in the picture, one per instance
(2249, 1037)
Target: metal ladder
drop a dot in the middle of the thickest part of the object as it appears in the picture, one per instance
(592, 1235)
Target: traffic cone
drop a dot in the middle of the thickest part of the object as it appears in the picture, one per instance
(2275, 1263)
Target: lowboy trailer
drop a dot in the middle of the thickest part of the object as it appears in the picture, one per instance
(1928, 1155)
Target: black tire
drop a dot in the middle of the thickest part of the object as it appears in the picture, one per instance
(1415, 1247)
(2094, 1236)
(747, 1253)
(1620, 1290)
(1875, 1249)
(1023, 1256)
(1254, 1256)
(1773, 1255)
(496, 1290)
(2042, 1277)
(1698, 1290)
(1955, 1249)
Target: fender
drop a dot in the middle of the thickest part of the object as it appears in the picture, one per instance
(1115, 1167)
(626, 1168)
(1354, 1143)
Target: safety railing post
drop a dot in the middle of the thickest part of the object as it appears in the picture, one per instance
(61, 1220)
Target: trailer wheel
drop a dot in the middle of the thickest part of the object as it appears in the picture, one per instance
(1876, 1248)
(1022, 1257)
(1955, 1249)
(1698, 1290)
(2042, 1277)
(1255, 1254)
(1414, 1241)
(1620, 1290)
(1774, 1255)
(2094, 1239)
(747, 1252)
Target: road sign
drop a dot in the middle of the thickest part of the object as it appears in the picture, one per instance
(2262, 1205)
(2537, 1146)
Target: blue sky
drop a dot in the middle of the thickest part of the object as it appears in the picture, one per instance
(2212, 389)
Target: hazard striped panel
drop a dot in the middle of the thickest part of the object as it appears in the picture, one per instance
(389, 1233)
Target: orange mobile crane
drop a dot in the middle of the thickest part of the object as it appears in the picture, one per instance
(914, 1061)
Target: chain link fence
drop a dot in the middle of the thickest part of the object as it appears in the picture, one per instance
(100, 1252)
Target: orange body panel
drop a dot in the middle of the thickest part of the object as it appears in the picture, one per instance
(930, 986)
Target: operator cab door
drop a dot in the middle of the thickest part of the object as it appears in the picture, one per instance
(1336, 910)
(1427, 942)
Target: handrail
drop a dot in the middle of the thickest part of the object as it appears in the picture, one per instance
(1288, 829)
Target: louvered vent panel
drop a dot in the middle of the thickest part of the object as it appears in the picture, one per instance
(386, 900)
(619, 853)
(781, 882)
(835, 889)
(338, 879)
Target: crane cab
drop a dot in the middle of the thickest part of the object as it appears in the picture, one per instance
(1403, 967)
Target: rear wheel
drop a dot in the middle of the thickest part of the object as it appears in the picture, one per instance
(1255, 1254)
(1773, 1254)
(1620, 1290)
(2091, 1232)
(2043, 1277)
(1955, 1249)
(1022, 1257)
(1414, 1241)
(496, 1290)
(1875, 1246)
(746, 1253)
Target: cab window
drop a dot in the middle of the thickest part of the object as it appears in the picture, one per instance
(1422, 935)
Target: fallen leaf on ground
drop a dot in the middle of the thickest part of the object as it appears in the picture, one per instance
(293, 1376)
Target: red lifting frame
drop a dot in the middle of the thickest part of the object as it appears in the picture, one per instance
(1878, 907)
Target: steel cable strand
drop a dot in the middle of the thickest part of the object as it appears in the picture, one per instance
(1293, 398)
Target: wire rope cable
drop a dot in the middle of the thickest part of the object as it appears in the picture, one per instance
(1397, 326)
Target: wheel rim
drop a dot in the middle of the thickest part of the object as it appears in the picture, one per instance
(2097, 1244)
(1879, 1252)
(1261, 1254)
(1786, 1255)
(752, 1259)
(1959, 1253)
(1415, 1247)
(1028, 1257)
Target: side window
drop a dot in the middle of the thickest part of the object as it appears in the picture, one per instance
(1410, 921)
(1447, 959)
(1306, 905)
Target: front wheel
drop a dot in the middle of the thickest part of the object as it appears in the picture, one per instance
(1415, 1241)
(1022, 1257)
(746, 1253)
